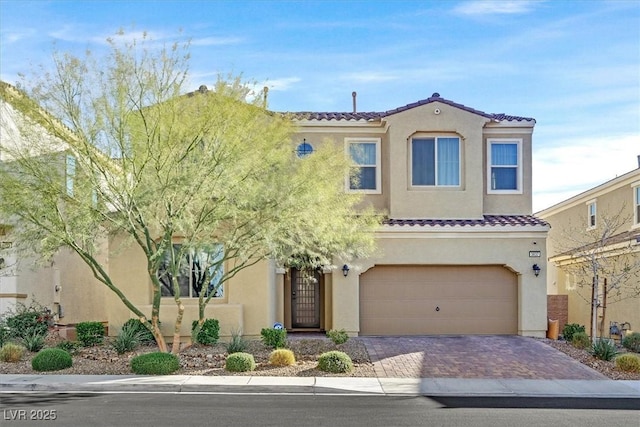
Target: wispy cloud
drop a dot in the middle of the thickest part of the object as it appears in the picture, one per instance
(495, 7)
(281, 84)
(216, 41)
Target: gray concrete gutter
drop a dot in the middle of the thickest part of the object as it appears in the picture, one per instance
(449, 387)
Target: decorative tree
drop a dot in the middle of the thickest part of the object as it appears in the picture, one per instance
(195, 180)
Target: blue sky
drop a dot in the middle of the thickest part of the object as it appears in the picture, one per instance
(572, 65)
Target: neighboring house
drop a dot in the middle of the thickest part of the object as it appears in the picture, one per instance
(63, 284)
(456, 252)
(608, 214)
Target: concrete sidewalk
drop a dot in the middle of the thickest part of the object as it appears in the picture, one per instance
(459, 387)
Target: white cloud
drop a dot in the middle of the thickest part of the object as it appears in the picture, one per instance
(216, 41)
(494, 7)
(281, 84)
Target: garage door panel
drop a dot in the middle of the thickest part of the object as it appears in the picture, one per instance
(402, 300)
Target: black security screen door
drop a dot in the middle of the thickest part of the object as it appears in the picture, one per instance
(305, 298)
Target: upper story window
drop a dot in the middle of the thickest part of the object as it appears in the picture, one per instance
(636, 201)
(505, 166)
(304, 149)
(70, 173)
(365, 174)
(435, 161)
(200, 273)
(591, 214)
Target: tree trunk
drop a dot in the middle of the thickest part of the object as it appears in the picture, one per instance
(604, 308)
(594, 309)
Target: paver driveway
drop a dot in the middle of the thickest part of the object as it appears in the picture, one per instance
(472, 356)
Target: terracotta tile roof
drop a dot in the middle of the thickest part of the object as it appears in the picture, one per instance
(485, 221)
(371, 116)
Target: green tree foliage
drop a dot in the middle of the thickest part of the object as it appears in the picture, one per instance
(134, 154)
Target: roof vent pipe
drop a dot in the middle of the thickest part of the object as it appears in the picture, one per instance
(638, 161)
(265, 93)
(353, 95)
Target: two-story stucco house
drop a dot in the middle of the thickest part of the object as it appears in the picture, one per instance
(599, 227)
(455, 254)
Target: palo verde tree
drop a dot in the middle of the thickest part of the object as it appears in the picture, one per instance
(205, 179)
(602, 263)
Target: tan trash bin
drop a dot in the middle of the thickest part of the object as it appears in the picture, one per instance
(552, 329)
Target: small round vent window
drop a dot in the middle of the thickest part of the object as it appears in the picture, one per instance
(304, 149)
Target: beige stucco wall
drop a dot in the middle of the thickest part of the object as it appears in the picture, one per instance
(571, 218)
(455, 248)
(251, 298)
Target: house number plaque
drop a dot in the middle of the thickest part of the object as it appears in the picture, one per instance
(534, 254)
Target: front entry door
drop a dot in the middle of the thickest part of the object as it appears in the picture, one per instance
(305, 298)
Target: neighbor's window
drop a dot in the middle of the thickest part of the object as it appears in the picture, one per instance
(365, 170)
(505, 166)
(591, 214)
(70, 174)
(200, 272)
(435, 161)
(636, 198)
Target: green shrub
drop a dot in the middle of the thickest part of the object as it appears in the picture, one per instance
(632, 342)
(570, 329)
(51, 359)
(70, 347)
(25, 320)
(604, 349)
(237, 344)
(145, 335)
(240, 362)
(335, 362)
(338, 337)
(628, 362)
(282, 357)
(11, 352)
(156, 363)
(209, 332)
(127, 340)
(34, 341)
(90, 333)
(581, 340)
(274, 338)
(5, 334)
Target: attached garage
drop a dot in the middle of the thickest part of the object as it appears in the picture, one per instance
(437, 300)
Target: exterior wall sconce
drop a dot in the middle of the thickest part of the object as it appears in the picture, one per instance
(536, 269)
(345, 270)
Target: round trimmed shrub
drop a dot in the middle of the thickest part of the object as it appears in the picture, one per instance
(632, 342)
(282, 357)
(156, 363)
(209, 332)
(628, 362)
(11, 352)
(51, 359)
(581, 340)
(240, 362)
(335, 362)
(338, 336)
(570, 329)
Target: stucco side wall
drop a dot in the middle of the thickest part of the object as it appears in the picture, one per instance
(510, 204)
(510, 250)
(249, 303)
(464, 201)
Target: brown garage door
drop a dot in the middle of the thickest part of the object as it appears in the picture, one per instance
(432, 300)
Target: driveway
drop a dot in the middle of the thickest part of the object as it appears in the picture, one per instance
(473, 356)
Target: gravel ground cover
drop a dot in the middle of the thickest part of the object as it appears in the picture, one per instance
(210, 360)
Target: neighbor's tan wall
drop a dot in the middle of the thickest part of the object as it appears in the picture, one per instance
(249, 303)
(511, 251)
(571, 218)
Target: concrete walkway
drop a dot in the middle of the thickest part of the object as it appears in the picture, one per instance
(461, 387)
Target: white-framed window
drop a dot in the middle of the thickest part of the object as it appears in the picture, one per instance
(504, 168)
(636, 204)
(592, 210)
(70, 173)
(365, 171)
(435, 161)
(200, 272)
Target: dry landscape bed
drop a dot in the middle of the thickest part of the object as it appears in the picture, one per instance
(209, 360)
